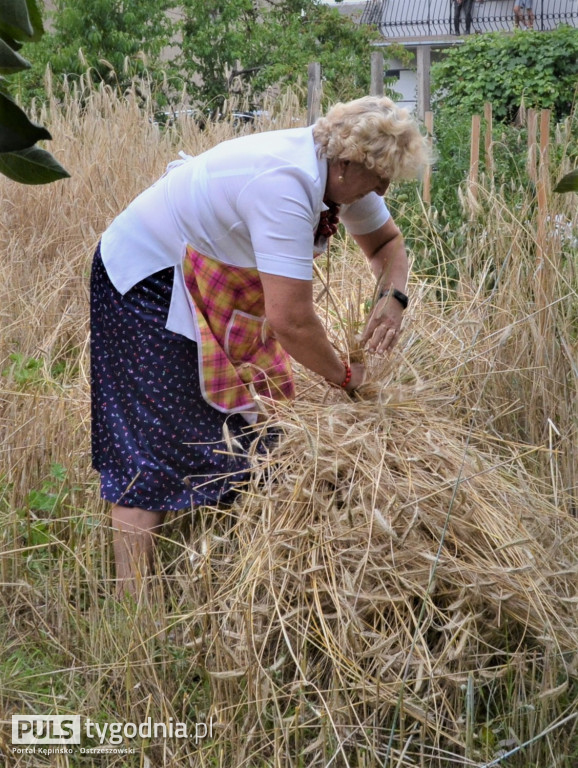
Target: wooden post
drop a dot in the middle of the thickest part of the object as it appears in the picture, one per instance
(313, 92)
(426, 192)
(489, 143)
(544, 138)
(543, 180)
(474, 162)
(545, 270)
(423, 81)
(376, 87)
(532, 133)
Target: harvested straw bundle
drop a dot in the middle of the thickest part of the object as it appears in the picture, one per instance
(388, 561)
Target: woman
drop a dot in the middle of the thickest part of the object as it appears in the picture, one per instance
(202, 291)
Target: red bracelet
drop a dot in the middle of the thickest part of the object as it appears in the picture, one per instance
(347, 378)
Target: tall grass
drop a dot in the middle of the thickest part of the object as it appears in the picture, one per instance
(398, 589)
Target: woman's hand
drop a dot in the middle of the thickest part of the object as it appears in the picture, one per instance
(384, 325)
(357, 377)
(385, 251)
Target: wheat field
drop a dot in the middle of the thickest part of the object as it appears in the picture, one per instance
(396, 587)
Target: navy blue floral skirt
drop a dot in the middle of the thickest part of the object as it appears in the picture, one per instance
(155, 441)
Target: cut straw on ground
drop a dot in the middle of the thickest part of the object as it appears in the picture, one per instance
(397, 585)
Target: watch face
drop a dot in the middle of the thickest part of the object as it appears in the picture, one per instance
(401, 297)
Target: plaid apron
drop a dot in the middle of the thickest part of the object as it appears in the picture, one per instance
(235, 347)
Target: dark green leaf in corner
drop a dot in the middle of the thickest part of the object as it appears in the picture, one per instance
(15, 19)
(10, 61)
(568, 183)
(16, 130)
(35, 17)
(14, 44)
(31, 166)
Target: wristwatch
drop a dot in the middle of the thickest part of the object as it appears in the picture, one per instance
(401, 297)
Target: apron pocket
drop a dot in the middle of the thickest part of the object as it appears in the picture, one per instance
(244, 336)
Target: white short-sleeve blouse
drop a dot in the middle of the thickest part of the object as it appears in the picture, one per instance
(253, 201)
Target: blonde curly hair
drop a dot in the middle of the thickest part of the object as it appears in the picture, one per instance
(375, 132)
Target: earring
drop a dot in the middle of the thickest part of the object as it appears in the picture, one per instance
(342, 179)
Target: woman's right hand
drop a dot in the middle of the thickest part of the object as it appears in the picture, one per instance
(358, 372)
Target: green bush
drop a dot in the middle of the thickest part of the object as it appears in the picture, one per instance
(538, 69)
(216, 51)
(107, 40)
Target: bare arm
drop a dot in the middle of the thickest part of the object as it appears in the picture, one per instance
(290, 310)
(291, 314)
(385, 251)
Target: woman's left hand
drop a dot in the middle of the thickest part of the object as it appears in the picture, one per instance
(384, 325)
(385, 251)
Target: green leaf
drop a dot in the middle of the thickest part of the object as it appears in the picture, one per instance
(568, 183)
(58, 472)
(31, 166)
(14, 44)
(15, 20)
(16, 130)
(35, 16)
(10, 61)
(42, 501)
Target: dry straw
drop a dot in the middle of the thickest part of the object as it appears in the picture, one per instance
(388, 558)
(396, 587)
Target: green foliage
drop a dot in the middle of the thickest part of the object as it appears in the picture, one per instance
(20, 20)
(20, 159)
(49, 497)
(33, 668)
(31, 166)
(241, 48)
(237, 48)
(34, 372)
(17, 131)
(23, 370)
(114, 40)
(452, 146)
(439, 251)
(539, 69)
(43, 520)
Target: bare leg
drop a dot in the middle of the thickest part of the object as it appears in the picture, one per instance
(518, 17)
(530, 23)
(134, 544)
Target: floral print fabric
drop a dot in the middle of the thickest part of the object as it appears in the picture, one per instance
(156, 442)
